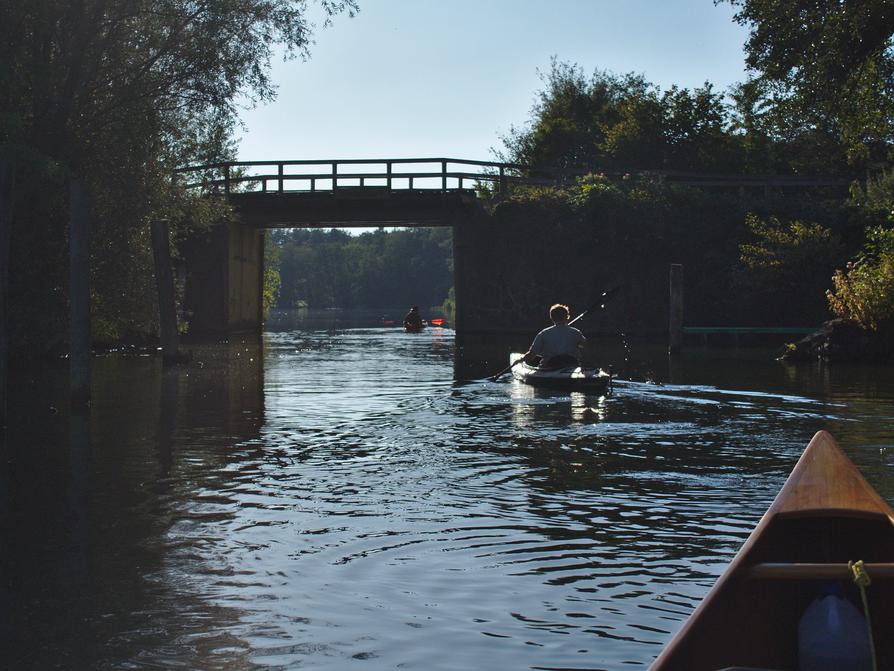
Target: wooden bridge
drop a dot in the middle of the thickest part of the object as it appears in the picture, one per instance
(356, 192)
(225, 266)
(407, 191)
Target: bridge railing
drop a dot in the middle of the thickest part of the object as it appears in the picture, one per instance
(442, 174)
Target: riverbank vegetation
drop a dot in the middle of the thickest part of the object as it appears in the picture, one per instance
(119, 94)
(819, 108)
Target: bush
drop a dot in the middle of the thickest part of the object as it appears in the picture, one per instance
(864, 291)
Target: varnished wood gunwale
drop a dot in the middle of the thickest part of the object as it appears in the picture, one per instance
(824, 484)
(816, 571)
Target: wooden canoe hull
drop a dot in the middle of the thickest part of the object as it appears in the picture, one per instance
(825, 515)
(572, 378)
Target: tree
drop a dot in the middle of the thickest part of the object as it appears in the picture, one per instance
(120, 92)
(606, 121)
(786, 267)
(828, 69)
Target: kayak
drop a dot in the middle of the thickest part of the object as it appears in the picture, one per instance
(788, 600)
(414, 328)
(571, 377)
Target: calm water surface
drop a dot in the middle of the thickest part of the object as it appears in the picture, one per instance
(334, 499)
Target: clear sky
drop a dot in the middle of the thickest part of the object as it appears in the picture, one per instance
(414, 78)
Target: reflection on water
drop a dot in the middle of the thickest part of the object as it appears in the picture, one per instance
(336, 499)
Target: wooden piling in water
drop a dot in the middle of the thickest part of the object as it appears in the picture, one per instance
(675, 324)
(164, 279)
(79, 292)
(7, 176)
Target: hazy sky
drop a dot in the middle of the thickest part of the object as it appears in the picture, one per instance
(414, 78)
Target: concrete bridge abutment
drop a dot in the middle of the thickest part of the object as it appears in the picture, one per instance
(225, 280)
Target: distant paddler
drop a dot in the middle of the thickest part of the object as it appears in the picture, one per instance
(413, 320)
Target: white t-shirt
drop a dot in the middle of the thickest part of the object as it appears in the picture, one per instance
(556, 340)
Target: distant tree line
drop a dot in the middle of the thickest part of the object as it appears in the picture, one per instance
(332, 268)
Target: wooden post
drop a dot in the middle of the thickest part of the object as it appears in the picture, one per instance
(280, 171)
(164, 279)
(79, 292)
(7, 175)
(443, 175)
(388, 168)
(676, 308)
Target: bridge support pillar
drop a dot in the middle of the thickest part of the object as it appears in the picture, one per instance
(472, 247)
(224, 286)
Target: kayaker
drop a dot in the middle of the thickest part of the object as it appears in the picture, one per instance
(559, 345)
(413, 320)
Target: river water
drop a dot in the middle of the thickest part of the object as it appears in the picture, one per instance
(353, 498)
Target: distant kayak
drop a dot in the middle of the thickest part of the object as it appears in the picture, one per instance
(570, 377)
(414, 328)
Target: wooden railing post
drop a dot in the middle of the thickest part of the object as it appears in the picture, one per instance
(675, 325)
(7, 177)
(164, 280)
(227, 179)
(388, 172)
(502, 180)
(334, 175)
(79, 292)
(443, 175)
(280, 166)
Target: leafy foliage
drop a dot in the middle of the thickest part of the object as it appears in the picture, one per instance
(121, 93)
(606, 121)
(272, 279)
(864, 291)
(787, 266)
(605, 231)
(828, 69)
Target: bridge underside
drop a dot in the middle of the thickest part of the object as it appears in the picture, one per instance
(226, 273)
(354, 207)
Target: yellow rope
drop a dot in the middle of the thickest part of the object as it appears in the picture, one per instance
(861, 579)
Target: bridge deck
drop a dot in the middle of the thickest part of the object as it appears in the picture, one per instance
(360, 207)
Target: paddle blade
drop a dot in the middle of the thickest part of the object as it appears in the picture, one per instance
(437, 322)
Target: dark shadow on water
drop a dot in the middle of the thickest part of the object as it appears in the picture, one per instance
(88, 502)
